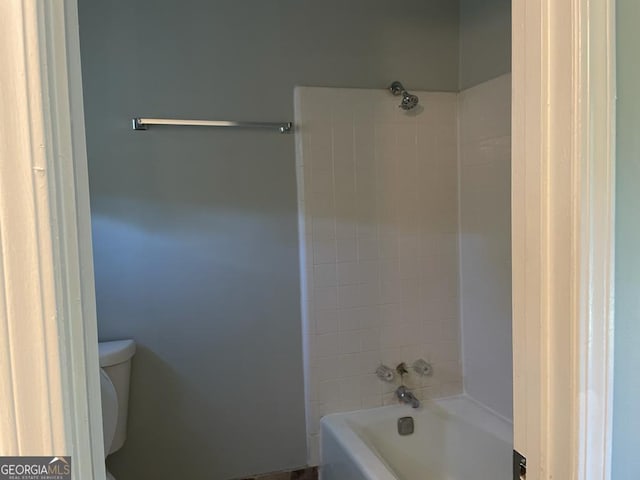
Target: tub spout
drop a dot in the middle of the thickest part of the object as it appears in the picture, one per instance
(406, 397)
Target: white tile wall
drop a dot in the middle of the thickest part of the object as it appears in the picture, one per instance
(485, 242)
(378, 205)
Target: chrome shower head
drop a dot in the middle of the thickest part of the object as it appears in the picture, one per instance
(409, 101)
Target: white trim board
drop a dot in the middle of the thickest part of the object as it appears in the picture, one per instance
(47, 303)
(562, 214)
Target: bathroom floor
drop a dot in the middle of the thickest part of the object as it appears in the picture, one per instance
(303, 474)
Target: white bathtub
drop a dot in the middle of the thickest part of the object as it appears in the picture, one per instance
(454, 439)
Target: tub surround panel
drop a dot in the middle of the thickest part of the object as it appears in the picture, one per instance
(485, 242)
(377, 193)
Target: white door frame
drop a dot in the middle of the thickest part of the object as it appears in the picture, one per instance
(50, 389)
(563, 93)
(563, 226)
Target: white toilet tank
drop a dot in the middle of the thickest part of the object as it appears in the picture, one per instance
(115, 361)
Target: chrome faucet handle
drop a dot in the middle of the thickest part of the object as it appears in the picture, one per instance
(422, 367)
(385, 373)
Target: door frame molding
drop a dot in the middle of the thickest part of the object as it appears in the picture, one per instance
(563, 235)
(48, 327)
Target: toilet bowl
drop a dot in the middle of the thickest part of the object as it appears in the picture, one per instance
(115, 369)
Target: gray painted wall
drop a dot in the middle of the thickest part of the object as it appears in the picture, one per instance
(626, 414)
(485, 40)
(195, 232)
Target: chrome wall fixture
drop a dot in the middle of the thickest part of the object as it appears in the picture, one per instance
(143, 123)
(409, 101)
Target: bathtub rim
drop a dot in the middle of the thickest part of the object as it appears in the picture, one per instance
(373, 465)
(354, 446)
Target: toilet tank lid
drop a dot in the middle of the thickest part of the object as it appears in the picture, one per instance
(118, 351)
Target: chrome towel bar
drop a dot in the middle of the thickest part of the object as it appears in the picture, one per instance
(142, 123)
